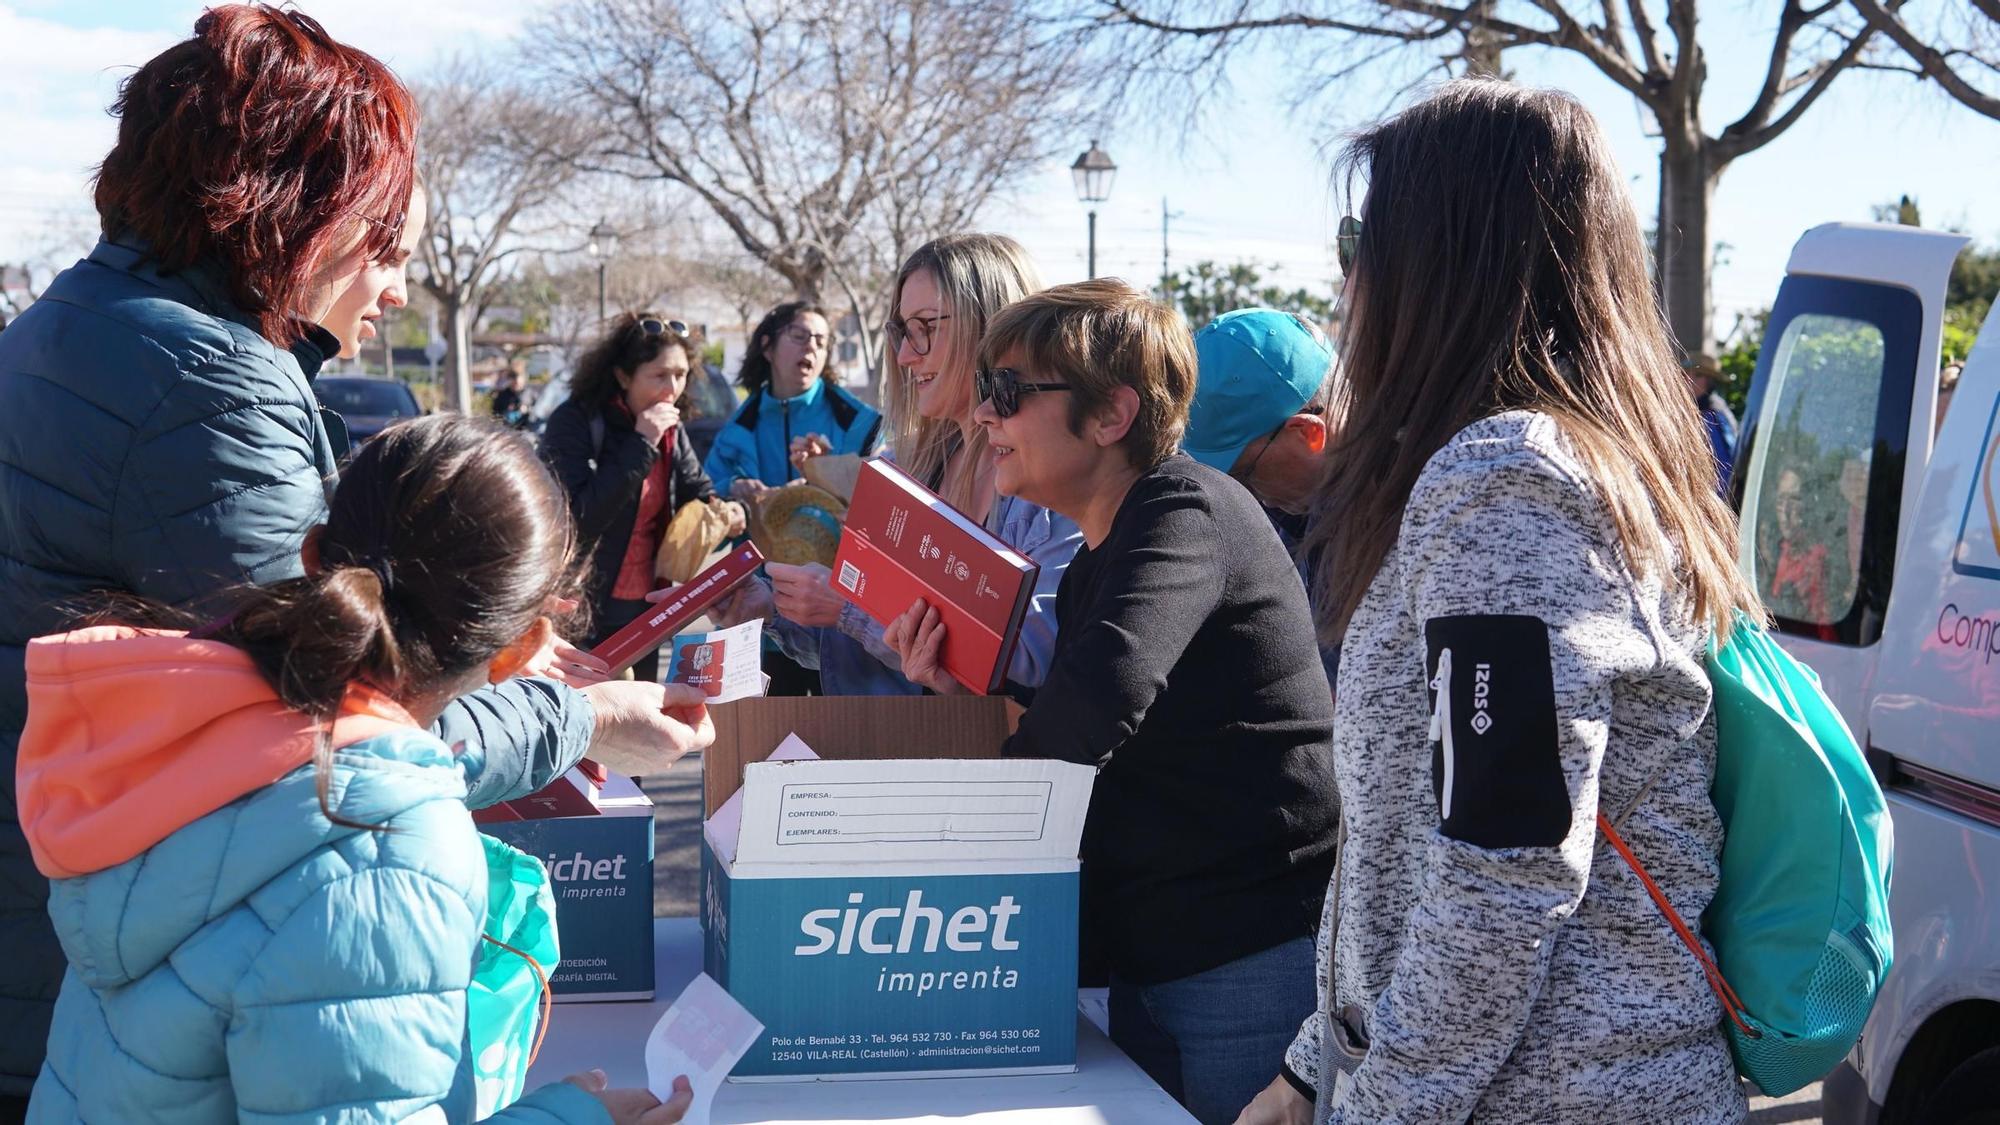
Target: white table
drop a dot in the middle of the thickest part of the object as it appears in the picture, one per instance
(1107, 1088)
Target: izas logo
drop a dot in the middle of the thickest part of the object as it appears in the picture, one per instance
(1482, 698)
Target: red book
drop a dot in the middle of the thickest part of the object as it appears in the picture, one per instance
(629, 645)
(903, 542)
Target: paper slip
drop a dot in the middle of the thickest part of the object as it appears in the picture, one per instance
(701, 1035)
(724, 665)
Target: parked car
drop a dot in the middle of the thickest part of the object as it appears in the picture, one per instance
(1874, 536)
(367, 404)
(706, 405)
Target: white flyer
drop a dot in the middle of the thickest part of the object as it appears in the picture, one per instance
(725, 664)
(700, 1036)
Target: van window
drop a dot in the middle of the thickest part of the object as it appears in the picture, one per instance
(1828, 385)
(1821, 474)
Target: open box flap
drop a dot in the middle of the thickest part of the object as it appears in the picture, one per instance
(915, 810)
(849, 727)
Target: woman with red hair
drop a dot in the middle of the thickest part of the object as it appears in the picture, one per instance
(158, 431)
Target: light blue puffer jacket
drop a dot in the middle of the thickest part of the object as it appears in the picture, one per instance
(261, 964)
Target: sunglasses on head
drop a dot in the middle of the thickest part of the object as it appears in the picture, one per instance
(654, 326)
(1347, 242)
(1002, 386)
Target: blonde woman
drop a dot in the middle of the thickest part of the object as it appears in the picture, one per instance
(945, 293)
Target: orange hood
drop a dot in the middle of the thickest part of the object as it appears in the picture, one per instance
(133, 734)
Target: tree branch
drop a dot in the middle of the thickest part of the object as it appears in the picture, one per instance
(1738, 140)
(1935, 66)
(1649, 41)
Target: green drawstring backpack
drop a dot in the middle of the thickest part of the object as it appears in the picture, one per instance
(1800, 919)
(507, 1006)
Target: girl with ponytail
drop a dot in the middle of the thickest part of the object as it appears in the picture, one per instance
(264, 875)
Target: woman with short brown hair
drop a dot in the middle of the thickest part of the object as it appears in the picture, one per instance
(1184, 668)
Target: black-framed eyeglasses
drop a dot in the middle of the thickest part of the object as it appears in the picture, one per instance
(1002, 386)
(804, 337)
(1347, 242)
(1249, 472)
(920, 331)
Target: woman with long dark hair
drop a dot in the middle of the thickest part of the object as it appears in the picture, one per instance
(1525, 556)
(784, 373)
(622, 455)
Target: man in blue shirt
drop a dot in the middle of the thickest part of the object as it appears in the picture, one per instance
(1704, 373)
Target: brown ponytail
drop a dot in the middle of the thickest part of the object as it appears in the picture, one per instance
(444, 542)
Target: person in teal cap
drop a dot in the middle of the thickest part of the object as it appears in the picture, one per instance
(1259, 414)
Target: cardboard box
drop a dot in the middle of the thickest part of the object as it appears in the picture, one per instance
(601, 870)
(913, 914)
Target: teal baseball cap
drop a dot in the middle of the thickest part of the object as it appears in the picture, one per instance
(1256, 368)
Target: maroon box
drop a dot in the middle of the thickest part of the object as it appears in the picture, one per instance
(903, 542)
(630, 645)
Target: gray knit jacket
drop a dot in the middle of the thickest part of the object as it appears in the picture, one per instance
(1507, 675)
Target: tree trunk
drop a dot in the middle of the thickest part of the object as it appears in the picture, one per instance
(458, 394)
(1685, 251)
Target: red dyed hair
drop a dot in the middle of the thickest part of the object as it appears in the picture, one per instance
(260, 144)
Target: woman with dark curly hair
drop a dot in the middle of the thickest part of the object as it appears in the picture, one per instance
(622, 455)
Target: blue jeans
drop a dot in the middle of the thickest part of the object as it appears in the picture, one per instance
(1214, 1039)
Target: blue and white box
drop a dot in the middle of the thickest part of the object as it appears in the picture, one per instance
(912, 918)
(601, 871)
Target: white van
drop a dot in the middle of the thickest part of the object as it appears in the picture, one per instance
(1874, 537)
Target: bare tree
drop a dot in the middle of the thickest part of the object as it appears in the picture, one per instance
(829, 137)
(1650, 48)
(495, 161)
(62, 237)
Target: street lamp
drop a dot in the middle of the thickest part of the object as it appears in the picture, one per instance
(603, 240)
(1093, 172)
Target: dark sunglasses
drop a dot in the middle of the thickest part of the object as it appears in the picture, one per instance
(1347, 242)
(654, 326)
(1002, 386)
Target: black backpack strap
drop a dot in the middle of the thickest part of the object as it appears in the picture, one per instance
(596, 434)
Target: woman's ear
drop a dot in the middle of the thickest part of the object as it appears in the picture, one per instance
(1114, 419)
(309, 550)
(525, 648)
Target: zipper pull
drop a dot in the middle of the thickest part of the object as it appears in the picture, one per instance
(1441, 728)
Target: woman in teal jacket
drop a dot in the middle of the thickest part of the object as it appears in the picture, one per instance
(264, 874)
(790, 401)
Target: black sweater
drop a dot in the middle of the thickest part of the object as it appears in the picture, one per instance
(1185, 668)
(602, 478)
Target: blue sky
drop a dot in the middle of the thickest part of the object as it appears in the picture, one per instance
(1252, 183)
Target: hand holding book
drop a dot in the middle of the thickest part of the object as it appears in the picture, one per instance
(917, 635)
